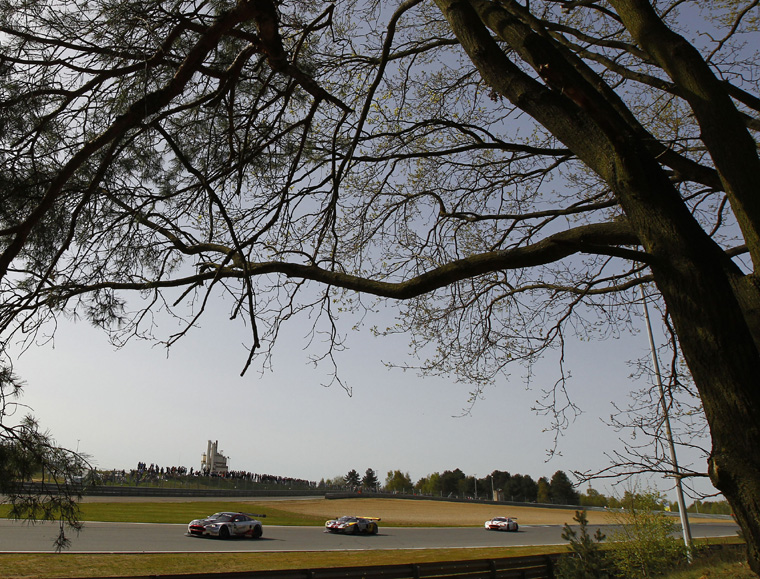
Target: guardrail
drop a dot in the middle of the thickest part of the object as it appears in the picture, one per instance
(535, 567)
(482, 501)
(151, 491)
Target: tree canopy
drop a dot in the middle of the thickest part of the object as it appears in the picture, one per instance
(27, 452)
(398, 481)
(509, 173)
(352, 478)
(561, 489)
(369, 480)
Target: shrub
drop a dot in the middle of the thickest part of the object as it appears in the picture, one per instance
(587, 560)
(645, 545)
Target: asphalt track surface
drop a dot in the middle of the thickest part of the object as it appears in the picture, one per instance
(96, 537)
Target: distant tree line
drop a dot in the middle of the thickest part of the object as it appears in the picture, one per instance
(353, 480)
(503, 486)
(652, 501)
(708, 507)
(455, 483)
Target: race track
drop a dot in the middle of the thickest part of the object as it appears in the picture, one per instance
(17, 537)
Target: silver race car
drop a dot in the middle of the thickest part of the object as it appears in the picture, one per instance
(227, 524)
(353, 525)
(501, 524)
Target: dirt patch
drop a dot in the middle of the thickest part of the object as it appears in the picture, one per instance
(402, 511)
(421, 512)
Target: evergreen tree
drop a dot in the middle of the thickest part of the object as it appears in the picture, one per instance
(499, 481)
(543, 492)
(562, 491)
(587, 560)
(352, 479)
(450, 481)
(369, 480)
(521, 488)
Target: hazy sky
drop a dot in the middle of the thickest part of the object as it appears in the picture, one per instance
(137, 404)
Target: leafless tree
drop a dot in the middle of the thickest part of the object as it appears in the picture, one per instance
(666, 411)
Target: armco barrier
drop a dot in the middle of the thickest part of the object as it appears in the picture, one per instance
(373, 495)
(151, 491)
(535, 567)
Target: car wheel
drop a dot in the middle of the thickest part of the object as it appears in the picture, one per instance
(373, 529)
(257, 532)
(224, 533)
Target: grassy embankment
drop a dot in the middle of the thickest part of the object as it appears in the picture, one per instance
(310, 512)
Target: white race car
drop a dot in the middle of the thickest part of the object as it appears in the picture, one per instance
(501, 524)
(353, 525)
(225, 525)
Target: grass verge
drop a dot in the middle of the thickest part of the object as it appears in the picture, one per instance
(183, 513)
(71, 565)
(729, 564)
(721, 565)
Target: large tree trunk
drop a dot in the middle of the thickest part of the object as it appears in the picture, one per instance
(716, 310)
(724, 362)
(699, 284)
(713, 305)
(707, 298)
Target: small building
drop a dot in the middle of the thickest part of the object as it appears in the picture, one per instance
(213, 461)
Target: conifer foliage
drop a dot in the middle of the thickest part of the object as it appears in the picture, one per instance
(587, 559)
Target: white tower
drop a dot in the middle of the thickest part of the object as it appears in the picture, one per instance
(213, 461)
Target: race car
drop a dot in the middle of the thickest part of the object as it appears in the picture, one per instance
(352, 525)
(227, 524)
(501, 524)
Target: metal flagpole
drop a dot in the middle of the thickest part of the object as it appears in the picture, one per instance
(668, 432)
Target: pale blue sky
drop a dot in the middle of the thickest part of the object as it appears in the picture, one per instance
(137, 404)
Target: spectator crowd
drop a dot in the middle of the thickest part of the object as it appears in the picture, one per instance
(154, 472)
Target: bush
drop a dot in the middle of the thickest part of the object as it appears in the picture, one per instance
(645, 546)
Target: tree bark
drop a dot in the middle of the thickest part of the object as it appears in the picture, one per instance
(724, 132)
(698, 282)
(723, 353)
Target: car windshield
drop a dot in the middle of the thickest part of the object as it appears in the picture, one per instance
(223, 517)
(347, 519)
(500, 519)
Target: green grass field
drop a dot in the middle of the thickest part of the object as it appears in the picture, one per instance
(68, 565)
(184, 512)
